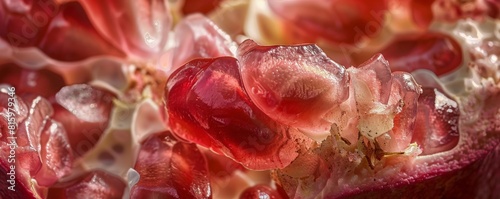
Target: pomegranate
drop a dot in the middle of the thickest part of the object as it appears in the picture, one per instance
(142, 99)
(390, 136)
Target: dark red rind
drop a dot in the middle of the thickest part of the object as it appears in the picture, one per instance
(470, 166)
(477, 180)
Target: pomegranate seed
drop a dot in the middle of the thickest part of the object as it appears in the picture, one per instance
(261, 191)
(208, 105)
(436, 52)
(436, 125)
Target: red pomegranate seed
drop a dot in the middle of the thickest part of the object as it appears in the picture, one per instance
(171, 170)
(436, 52)
(84, 111)
(55, 154)
(436, 125)
(261, 191)
(41, 82)
(95, 184)
(296, 85)
(208, 105)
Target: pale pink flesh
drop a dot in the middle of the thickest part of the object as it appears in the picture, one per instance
(385, 99)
